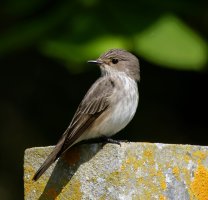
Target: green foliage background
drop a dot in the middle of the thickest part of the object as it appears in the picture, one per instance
(44, 46)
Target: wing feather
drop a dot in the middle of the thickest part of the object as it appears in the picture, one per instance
(95, 102)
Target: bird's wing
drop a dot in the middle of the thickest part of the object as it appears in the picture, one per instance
(95, 102)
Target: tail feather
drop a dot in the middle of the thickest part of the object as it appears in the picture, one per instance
(55, 154)
(51, 158)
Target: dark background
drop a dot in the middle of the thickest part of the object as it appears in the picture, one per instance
(44, 46)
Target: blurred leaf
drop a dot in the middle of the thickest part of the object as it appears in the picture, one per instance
(79, 53)
(88, 3)
(169, 42)
(22, 7)
(27, 32)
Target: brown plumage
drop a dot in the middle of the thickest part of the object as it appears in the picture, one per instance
(90, 119)
(91, 107)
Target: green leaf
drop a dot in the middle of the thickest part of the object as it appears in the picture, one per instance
(169, 42)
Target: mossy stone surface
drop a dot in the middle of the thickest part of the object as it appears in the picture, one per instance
(127, 172)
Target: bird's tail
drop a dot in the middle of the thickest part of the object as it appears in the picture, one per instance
(51, 158)
(57, 151)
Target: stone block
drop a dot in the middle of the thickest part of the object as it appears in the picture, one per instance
(132, 171)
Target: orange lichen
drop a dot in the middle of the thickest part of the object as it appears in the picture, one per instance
(72, 156)
(28, 171)
(162, 197)
(32, 187)
(199, 185)
(28, 187)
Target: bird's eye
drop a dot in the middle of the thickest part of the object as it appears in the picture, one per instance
(114, 61)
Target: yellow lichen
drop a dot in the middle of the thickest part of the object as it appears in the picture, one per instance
(161, 178)
(163, 184)
(148, 156)
(31, 186)
(140, 180)
(73, 190)
(76, 194)
(187, 158)
(148, 153)
(103, 197)
(113, 178)
(199, 186)
(140, 169)
(151, 181)
(159, 172)
(132, 160)
(185, 173)
(176, 172)
(28, 170)
(200, 155)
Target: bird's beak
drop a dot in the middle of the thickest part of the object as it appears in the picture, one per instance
(97, 62)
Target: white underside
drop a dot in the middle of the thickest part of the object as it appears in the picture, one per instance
(124, 104)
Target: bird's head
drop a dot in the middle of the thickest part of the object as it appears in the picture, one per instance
(119, 60)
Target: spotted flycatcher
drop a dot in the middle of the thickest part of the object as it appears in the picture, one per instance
(108, 106)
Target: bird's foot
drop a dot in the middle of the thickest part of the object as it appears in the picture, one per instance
(113, 141)
(103, 140)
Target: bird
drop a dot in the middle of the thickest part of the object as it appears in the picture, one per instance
(108, 106)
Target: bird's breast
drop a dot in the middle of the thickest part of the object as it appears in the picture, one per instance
(123, 105)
